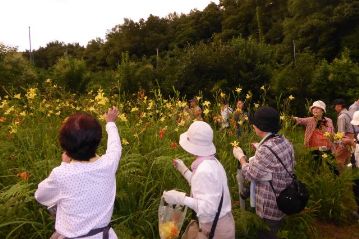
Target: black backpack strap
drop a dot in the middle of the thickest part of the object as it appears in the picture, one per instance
(276, 155)
(215, 221)
(271, 184)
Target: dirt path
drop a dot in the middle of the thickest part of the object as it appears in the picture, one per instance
(331, 231)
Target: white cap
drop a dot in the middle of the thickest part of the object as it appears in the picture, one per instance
(198, 139)
(319, 104)
(355, 120)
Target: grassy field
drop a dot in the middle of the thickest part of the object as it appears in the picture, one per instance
(150, 129)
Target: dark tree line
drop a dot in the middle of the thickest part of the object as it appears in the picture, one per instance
(247, 43)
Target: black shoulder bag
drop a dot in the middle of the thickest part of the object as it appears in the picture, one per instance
(294, 197)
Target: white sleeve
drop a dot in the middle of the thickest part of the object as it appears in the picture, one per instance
(206, 190)
(48, 192)
(114, 147)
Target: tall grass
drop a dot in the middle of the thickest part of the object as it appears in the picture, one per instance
(145, 169)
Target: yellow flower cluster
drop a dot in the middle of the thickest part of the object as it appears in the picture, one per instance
(334, 137)
(100, 98)
(31, 93)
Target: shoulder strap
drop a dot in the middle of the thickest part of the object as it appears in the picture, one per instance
(347, 115)
(214, 225)
(271, 184)
(349, 121)
(276, 155)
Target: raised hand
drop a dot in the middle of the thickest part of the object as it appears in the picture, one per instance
(111, 114)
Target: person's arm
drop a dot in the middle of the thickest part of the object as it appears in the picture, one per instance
(48, 192)
(341, 124)
(302, 121)
(206, 194)
(257, 168)
(182, 168)
(205, 191)
(114, 148)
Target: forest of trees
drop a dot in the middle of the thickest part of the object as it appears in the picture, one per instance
(306, 48)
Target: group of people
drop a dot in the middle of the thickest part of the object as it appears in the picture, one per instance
(319, 128)
(82, 189)
(227, 118)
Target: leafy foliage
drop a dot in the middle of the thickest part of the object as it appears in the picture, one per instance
(150, 128)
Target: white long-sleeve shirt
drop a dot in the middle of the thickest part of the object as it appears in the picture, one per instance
(207, 183)
(84, 192)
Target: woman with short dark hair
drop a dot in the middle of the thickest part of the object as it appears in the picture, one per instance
(83, 188)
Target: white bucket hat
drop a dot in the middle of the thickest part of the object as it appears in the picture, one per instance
(198, 139)
(355, 120)
(319, 104)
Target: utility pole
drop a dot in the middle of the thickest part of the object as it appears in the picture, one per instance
(30, 52)
(294, 56)
(157, 56)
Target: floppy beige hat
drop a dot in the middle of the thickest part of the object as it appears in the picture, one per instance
(319, 104)
(355, 120)
(198, 139)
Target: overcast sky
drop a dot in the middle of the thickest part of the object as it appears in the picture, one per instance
(77, 20)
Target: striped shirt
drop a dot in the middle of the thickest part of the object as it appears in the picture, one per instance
(344, 124)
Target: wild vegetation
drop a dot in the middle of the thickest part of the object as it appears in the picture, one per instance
(150, 128)
(264, 52)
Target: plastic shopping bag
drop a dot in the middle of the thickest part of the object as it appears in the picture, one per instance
(170, 219)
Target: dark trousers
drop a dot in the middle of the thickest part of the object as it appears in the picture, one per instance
(273, 229)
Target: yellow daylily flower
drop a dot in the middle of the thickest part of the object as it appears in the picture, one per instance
(206, 103)
(134, 109)
(31, 93)
(100, 98)
(234, 144)
(206, 111)
(339, 136)
(124, 141)
(122, 117)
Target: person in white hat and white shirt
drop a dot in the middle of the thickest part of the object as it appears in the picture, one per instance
(316, 126)
(208, 181)
(355, 122)
(352, 109)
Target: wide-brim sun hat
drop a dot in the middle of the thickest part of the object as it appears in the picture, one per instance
(198, 139)
(355, 120)
(319, 104)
